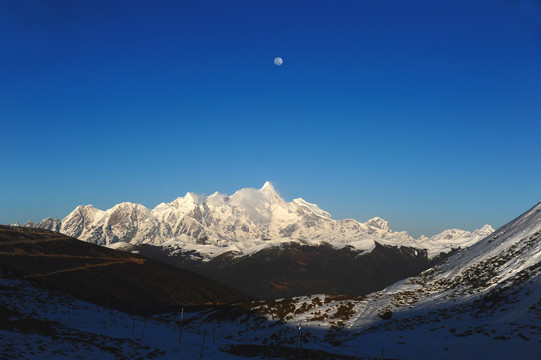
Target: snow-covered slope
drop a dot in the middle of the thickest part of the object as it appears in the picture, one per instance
(490, 291)
(494, 267)
(245, 222)
(37, 323)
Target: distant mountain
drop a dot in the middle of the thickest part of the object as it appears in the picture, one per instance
(101, 275)
(244, 223)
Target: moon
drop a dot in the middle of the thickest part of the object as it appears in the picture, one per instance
(278, 61)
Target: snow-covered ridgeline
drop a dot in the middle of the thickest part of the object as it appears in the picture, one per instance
(247, 221)
(496, 272)
(483, 301)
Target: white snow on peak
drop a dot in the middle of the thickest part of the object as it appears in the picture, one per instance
(246, 221)
(453, 239)
(312, 207)
(486, 230)
(379, 223)
(193, 197)
(217, 199)
(268, 188)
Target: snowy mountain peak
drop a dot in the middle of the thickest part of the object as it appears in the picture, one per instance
(127, 206)
(187, 202)
(194, 198)
(217, 199)
(85, 208)
(379, 223)
(313, 208)
(268, 187)
(270, 192)
(484, 231)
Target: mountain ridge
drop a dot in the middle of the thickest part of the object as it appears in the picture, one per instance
(246, 221)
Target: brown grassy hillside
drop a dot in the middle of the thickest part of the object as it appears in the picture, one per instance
(101, 275)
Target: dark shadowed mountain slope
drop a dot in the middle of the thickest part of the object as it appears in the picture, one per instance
(294, 270)
(103, 275)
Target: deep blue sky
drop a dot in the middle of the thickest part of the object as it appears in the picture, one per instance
(425, 113)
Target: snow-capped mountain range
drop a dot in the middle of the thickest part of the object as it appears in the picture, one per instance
(245, 222)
